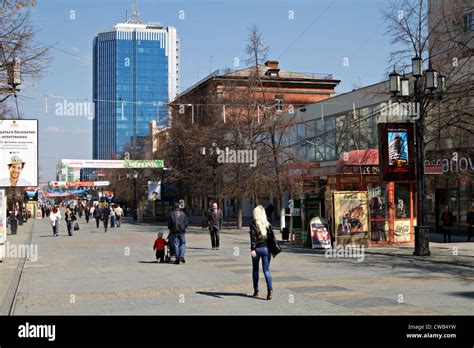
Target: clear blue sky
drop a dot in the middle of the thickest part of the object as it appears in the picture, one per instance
(325, 32)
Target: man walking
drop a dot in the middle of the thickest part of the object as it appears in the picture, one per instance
(215, 225)
(470, 223)
(118, 215)
(177, 224)
(447, 220)
(105, 216)
(97, 215)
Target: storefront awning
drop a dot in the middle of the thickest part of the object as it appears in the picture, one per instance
(368, 157)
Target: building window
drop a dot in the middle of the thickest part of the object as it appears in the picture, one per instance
(468, 22)
(279, 104)
(402, 201)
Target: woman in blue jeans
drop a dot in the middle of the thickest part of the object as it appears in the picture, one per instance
(260, 233)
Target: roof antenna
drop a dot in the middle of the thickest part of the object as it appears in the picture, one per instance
(135, 16)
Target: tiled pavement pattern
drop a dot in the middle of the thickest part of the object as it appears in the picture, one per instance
(115, 273)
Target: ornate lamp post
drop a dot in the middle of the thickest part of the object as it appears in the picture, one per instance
(427, 84)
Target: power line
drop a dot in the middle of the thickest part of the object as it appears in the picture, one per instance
(304, 31)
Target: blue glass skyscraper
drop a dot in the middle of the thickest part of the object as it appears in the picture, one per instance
(135, 76)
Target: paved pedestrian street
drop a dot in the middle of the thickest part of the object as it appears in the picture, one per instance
(97, 273)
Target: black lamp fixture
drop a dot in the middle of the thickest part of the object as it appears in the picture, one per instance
(417, 66)
(394, 82)
(431, 79)
(405, 86)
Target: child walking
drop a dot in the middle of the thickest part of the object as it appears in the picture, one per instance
(159, 247)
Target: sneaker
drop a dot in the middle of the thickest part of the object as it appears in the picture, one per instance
(182, 260)
(176, 262)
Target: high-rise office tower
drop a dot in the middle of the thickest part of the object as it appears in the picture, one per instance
(135, 76)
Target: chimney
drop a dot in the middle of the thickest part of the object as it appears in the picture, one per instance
(272, 64)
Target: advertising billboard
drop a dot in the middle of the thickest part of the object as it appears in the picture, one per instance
(320, 237)
(18, 153)
(154, 190)
(396, 153)
(351, 217)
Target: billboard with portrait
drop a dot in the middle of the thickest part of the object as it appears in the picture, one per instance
(351, 217)
(18, 153)
(396, 153)
(154, 190)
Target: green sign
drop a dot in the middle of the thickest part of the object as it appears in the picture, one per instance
(143, 163)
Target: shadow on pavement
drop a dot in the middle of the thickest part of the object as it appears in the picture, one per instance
(222, 294)
(398, 264)
(468, 294)
(59, 235)
(148, 261)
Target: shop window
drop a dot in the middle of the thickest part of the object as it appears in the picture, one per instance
(378, 213)
(402, 201)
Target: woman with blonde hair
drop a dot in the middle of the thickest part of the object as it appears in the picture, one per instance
(261, 233)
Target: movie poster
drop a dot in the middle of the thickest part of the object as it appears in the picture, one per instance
(154, 190)
(18, 153)
(319, 234)
(351, 217)
(396, 153)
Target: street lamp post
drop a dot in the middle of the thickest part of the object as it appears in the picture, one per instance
(214, 153)
(426, 81)
(135, 177)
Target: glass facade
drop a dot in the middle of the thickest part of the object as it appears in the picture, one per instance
(327, 138)
(130, 88)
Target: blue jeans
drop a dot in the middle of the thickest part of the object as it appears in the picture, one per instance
(70, 225)
(265, 255)
(179, 244)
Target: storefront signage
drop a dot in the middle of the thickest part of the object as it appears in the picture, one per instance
(454, 164)
(370, 170)
(372, 179)
(350, 179)
(396, 152)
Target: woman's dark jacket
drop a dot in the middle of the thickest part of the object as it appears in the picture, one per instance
(256, 238)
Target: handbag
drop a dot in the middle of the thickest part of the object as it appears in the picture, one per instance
(273, 246)
(76, 227)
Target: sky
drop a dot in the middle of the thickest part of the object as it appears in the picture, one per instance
(344, 38)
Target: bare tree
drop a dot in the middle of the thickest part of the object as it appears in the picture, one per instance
(17, 43)
(439, 35)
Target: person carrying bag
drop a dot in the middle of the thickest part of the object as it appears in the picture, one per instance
(263, 245)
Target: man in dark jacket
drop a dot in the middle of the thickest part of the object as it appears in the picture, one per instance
(447, 220)
(215, 225)
(470, 223)
(97, 215)
(105, 215)
(177, 224)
